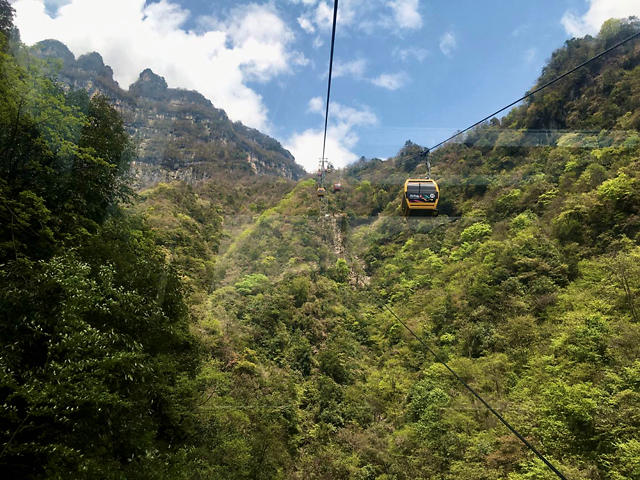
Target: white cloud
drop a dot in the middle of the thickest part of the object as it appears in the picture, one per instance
(218, 61)
(599, 12)
(391, 81)
(316, 105)
(341, 135)
(448, 43)
(355, 68)
(405, 13)
(521, 30)
(368, 16)
(299, 59)
(353, 117)
(323, 16)
(405, 54)
(349, 11)
(530, 56)
(306, 24)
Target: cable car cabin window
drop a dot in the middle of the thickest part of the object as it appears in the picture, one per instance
(423, 192)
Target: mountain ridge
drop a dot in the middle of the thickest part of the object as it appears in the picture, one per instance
(165, 341)
(180, 133)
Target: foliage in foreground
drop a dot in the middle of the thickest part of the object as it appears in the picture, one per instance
(97, 364)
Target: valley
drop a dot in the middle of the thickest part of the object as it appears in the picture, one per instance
(175, 304)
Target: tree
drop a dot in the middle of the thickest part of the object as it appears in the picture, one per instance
(6, 18)
(97, 364)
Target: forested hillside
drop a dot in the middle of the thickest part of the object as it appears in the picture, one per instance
(230, 330)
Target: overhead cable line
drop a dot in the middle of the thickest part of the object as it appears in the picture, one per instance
(333, 44)
(322, 191)
(537, 90)
(476, 394)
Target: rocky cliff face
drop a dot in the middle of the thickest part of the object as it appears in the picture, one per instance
(180, 134)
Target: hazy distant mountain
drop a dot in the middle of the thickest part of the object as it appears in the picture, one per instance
(181, 135)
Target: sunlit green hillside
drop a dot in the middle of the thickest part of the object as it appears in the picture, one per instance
(230, 328)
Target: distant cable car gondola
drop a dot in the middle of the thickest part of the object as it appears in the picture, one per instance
(321, 191)
(337, 187)
(420, 198)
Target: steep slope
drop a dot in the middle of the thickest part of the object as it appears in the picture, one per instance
(180, 134)
(528, 285)
(97, 362)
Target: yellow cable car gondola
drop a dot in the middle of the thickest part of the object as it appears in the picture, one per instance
(420, 198)
(321, 191)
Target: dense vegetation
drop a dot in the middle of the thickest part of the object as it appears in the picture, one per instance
(97, 364)
(224, 330)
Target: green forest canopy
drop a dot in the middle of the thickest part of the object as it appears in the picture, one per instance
(148, 336)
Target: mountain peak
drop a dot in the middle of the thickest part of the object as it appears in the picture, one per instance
(93, 62)
(148, 75)
(149, 85)
(182, 135)
(54, 49)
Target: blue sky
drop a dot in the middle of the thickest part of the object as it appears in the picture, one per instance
(407, 69)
